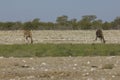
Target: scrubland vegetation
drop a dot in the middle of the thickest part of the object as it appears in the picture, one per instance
(63, 23)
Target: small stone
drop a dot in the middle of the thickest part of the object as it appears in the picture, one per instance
(25, 66)
(113, 76)
(74, 68)
(1, 57)
(46, 69)
(23, 61)
(75, 64)
(88, 62)
(43, 63)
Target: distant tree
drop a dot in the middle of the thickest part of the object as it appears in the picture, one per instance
(35, 23)
(9, 25)
(17, 25)
(83, 24)
(2, 25)
(28, 26)
(63, 23)
(50, 25)
(73, 23)
(116, 23)
(86, 21)
(37, 20)
(62, 20)
(106, 25)
(97, 24)
(89, 18)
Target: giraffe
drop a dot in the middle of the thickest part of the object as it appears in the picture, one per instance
(28, 35)
(99, 34)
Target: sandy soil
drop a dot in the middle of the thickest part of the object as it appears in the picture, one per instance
(60, 68)
(65, 36)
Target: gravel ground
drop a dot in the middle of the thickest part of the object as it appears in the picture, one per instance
(60, 68)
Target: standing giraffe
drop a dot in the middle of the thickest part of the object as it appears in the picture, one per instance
(99, 34)
(28, 35)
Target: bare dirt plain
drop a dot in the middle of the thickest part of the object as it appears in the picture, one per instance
(60, 68)
(65, 36)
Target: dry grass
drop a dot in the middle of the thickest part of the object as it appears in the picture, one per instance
(66, 36)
